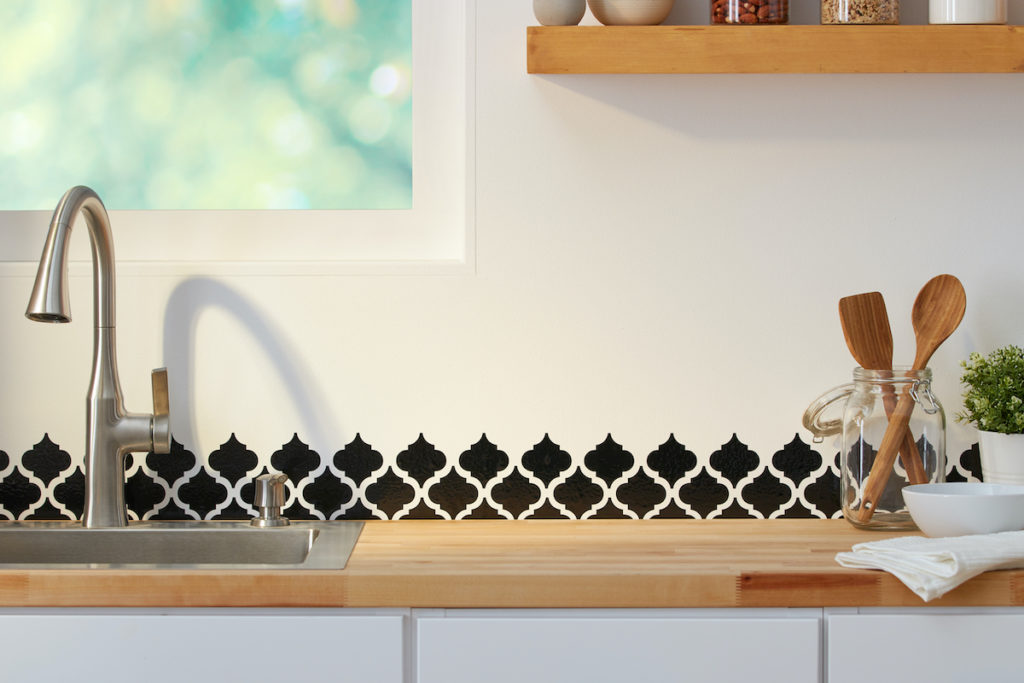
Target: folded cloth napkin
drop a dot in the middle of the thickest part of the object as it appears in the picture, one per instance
(933, 566)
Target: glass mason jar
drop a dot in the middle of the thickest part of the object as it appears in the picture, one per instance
(870, 399)
(749, 11)
(860, 11)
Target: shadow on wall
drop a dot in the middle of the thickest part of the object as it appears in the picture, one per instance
(184, 307)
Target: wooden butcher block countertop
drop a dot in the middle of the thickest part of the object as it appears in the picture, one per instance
(536, 563)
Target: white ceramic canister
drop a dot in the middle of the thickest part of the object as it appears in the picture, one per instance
(967, 11)
(559, 12)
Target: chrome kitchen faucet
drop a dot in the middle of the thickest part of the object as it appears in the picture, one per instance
(111, 432)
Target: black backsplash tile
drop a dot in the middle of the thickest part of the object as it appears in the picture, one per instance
(482, 482)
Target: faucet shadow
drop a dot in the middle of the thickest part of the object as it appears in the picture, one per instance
(184, 307)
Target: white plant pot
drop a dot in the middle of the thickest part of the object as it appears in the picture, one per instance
(1002, 457)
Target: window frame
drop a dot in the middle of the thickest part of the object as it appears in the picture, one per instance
(435, 235)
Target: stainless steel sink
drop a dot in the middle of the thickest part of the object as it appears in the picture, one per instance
(177, 545)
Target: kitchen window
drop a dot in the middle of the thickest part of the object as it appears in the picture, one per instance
(434, 233)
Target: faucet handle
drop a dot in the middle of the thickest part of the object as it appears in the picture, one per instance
(161, 413)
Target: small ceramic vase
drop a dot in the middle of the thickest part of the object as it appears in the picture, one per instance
(559, 12)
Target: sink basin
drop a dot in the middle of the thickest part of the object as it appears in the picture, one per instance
(177, 545)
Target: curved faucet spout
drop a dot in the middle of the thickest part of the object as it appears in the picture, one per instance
(49, 300)
(111, 432)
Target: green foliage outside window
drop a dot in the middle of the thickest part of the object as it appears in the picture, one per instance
(207, 104)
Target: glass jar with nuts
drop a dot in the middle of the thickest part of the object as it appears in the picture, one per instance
(750, 11)
(860, 11)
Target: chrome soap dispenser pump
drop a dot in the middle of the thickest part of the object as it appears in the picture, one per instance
(111, 431)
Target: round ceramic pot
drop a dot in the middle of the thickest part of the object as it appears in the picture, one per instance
(630, 12)
(559, 12)
(1002, 457)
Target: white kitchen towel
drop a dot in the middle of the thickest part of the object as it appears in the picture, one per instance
(933, 566)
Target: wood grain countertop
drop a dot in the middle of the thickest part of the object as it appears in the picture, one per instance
(536, 563)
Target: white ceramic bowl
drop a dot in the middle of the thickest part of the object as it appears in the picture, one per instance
(630, 12)
(959, 509)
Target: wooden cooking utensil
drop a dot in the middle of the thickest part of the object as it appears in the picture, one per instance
(938, 310)
(868, 336)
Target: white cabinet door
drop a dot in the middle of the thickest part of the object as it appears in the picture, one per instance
(617, 650)
(62, 647)
(937, 648)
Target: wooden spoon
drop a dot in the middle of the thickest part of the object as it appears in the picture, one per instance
(868, 336)
(938, 310)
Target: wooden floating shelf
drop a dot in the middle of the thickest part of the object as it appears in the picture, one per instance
(774, 49)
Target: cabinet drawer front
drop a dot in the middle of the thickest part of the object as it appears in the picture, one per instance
(938, 648)
(566, 650)
(175, 648)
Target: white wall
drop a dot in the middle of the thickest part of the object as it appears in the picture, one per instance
(654, 255)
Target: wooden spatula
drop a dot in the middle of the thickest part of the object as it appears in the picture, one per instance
(868, 336)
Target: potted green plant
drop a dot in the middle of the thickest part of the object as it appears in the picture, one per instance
(994, 403)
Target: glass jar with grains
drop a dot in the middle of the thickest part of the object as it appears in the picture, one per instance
(750, 11)
(860, 11)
